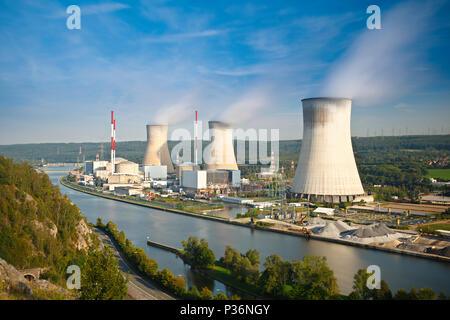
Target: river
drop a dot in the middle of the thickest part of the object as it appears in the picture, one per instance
(138, 223)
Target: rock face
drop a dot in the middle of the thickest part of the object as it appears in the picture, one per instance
(49, 227)
(13, 282)
(83, 233)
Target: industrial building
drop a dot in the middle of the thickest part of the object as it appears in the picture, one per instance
(221, 155)
(326, 168)
(91, 167)
(186, 166)
(154, 172)
(157, 150)
(194, 179)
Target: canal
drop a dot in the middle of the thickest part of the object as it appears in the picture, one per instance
(138, 223)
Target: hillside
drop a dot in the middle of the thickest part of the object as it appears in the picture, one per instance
(38, 226)
(134, 150)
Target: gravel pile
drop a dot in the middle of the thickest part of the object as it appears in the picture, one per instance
(316, 220)
(374, 230)
(333, 229)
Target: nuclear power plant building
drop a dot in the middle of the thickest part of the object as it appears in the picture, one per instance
(157, 150)
(326, 168)
(221, 155)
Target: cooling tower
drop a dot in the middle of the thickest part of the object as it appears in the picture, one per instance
(157, 151)
(326, 168)
(221, 147)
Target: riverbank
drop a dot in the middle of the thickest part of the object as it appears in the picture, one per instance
(271, 229)
(216, 272)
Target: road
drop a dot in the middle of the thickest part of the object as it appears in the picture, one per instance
(138, 287)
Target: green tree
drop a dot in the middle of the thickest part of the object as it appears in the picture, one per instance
(427, 294)
(276, 274)
(198, 253)
(402, 294)
(220, 296)
(312, 279)
(101, 278)
(360, 285)
(414, 294)
(206, 294)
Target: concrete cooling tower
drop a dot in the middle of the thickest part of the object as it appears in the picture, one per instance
(326, 168)
(157, 151)
(221, 147)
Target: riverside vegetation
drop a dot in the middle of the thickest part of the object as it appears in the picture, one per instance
(307, 279)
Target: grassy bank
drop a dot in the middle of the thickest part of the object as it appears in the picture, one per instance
(442, 174)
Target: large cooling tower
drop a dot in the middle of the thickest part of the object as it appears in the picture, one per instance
(326, 168)
(221, 147)
(157, 151)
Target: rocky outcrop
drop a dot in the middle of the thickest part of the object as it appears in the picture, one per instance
(48, 227)
(84, 236)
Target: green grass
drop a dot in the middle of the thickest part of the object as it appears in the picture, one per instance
(431, 228)
(443, 174)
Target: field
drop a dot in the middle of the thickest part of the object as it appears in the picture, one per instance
(443, 174)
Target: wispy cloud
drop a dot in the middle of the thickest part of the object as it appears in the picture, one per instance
(92, 9)
(380, 64)
(184, 36)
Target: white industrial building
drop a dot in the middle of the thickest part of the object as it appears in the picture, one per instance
(91, 167)
(194, 179)
(154, 172)
(326, 168)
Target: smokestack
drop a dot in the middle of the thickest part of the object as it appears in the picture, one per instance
(221, 146)
(157, 150)
(326, 168)
(113, 142)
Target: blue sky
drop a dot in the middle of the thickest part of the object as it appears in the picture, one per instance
(249, 63)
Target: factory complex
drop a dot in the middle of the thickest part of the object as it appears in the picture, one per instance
(326, 170)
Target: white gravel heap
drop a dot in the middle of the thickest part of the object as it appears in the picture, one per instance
(372, 233)
(333, 229)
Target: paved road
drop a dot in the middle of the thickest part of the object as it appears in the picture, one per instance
(138, 288)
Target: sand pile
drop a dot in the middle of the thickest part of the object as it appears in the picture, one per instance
(330, 230)
(371, 234)
(333, 229)
(342, 226)
(316, 221)
(374, 230)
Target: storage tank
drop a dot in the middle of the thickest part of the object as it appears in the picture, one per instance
(127, 167)
(326, 169)
(157, 150)
(221, 155)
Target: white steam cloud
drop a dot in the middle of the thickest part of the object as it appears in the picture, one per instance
(177, 112)
(247, 106)
(385, 63)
